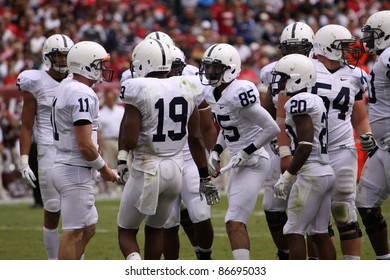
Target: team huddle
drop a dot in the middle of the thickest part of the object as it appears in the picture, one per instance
(296, 142)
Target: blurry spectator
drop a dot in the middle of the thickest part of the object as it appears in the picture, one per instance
(92, 30)
(36, 44)
(243, 49)
(52, 19)
(110, 117)
(222, 11)
(245, 25)
(11, 76)
(249, 73)
(209, 33)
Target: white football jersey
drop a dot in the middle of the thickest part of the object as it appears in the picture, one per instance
(339, 91)
(126, 75)
(191, 70)
(166, 106)
(239, 132)
(266, 79)
(379, 100)
(309, 104)
(74, 101)
(43, 87)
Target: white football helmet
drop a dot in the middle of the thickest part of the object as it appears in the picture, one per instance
(296, 71)
(178, 62)
(151, 55)
(335, 43)
(55, 44)
(376, 32)
(221, 63)
(90, 60)
(158, 35)
(296, 37)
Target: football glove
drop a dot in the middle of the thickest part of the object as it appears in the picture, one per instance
(240, 159)
(283, 185)
(367, 142)
(212, 162)
(27, 174)
(207, 189)
(274, 146)
(123, 172)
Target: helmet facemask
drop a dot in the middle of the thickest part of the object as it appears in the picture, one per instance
(349, 55)
(280, 79)
(369, 37)
(296, 46)
(58, 61)
(104, 66)
(177, 68)
(213, 71)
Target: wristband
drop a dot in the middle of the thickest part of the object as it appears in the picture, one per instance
(203, 172)
(122, 155)
(250, 149)
(284, 151)
(280, 120)
(204, 109)
(305, 143)
(218, 148)
(288, 176)
(23, 160)
(98, 163)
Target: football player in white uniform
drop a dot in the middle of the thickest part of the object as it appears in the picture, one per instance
(159, 112)
(195, 217)
(158, 35)
(374, 183)
(245, 128)
(75, 122)
(39, 87)
(309, 178)
(341, 86)
(296, 37)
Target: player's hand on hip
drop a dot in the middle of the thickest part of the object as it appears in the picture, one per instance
(208, 189)
(240, 159)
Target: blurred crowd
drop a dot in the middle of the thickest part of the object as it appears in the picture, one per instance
(252, 26)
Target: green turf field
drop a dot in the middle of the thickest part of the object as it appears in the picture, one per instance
(21, 234)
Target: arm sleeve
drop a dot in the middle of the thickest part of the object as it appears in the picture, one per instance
(261, 117)
(221, 140)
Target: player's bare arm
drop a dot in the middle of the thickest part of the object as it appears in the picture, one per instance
(28, 117)
(132, 121)
(207, 127)
(305, 134)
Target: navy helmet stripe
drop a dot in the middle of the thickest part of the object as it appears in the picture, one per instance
(211, 49)
(293, 30)
(63, 38)
(164, 58)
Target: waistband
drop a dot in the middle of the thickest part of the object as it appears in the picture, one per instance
(341, 147)
(88, 167)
